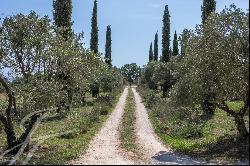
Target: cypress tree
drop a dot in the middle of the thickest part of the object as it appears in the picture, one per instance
(108, 46)
(175, 45)
(62, 11)
(170, 52)
(94, 30)
(151, 56)
(184, 40)
(156, 47)
(207, 104)
(209, 6)
(160, 58)
(166, 35)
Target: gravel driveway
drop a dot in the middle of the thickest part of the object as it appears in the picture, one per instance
(150, 144)
(104, 148)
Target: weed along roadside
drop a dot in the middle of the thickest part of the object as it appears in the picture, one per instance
(127, 133)
(215, 141)
(104, 148)
(63, 139)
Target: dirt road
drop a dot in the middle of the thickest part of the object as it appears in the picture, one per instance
(150, 144)
(104, 148)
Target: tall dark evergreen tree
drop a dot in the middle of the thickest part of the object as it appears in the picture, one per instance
(209, 6)
(62, 17)
(160, 58)
(156, 47)
(166, 35)
(184, 41)
(108, 49)
(94, 30)
(170, 52)
(175, 45)
(207, 104)
(151, 56)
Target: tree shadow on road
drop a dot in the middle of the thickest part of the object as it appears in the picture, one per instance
(233, 148)
(227, 150)
(175, 158)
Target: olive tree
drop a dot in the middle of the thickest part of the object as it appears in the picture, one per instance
(24, 40)
(220, 67)
(31, 49)
(131, 72)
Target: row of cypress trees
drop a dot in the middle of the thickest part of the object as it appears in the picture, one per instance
(166, 50)
(62, 17)
(94, 37)
(153, 56)
(207, 8)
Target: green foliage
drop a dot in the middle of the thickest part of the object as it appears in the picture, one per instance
(1, 127)
(166, 35)
(151, 54)
(216, 53)
(173, 120)
(184, 41)
(183, 129)
(131, 72)
(156, 47)
(62, 11)
(94, 30)
(127, 128)
(209, 6)
(94, 115)
(107, 99)
(111, 80)
(33, 52)
(156, 73)
(209, 66)
(147, 74)
(175, 45)
(215, 62)
(151, 99)
(108, 50)
(22, 46)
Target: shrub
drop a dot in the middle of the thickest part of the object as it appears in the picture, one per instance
(93, 115)
(192, 131)
(152, 99)
(1, 127)
(175, 120)
(107, 99)
(70, 135)
(102, 109)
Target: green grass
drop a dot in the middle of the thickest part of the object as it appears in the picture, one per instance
(219, 139)
(127, 128)
(220, 125)
(236, 105)
(62, 148)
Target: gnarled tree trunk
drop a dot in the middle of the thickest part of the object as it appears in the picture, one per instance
(238, 118)
(241, 127)
(13, 142)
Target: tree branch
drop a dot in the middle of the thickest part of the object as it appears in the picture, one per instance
(225, 108)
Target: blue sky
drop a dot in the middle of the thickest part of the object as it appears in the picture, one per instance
(133, 22)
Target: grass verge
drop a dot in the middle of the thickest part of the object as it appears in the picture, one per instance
(219, 142)
(127, 128)
(84, 123)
